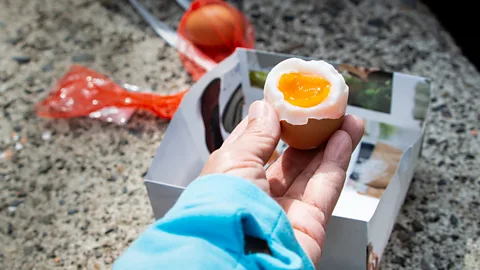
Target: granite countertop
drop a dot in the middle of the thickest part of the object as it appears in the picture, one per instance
(72, 195)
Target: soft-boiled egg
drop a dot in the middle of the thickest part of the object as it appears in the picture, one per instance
(310, 98)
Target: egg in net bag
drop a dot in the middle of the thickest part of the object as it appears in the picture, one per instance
(216, 29)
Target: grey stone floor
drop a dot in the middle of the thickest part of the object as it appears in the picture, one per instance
(72, 195)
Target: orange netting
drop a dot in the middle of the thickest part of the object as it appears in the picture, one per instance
(216, 29)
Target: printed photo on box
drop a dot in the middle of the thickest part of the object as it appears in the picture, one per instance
(233, 112)
(379, 156)
(372, 258)
(422, 99)
(369, 88)
(211, 115)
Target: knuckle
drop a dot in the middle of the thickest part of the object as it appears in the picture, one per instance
(338, 172)
(259, 128)
(317, 213)
(225, 160)
(221, 156)
(245, 164)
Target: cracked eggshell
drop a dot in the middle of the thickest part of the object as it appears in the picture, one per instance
(308, 128)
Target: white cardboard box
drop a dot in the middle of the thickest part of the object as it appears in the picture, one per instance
(393, 106)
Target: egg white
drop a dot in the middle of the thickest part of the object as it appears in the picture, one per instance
(332, 107)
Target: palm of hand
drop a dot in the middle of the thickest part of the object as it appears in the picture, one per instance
(307, 184)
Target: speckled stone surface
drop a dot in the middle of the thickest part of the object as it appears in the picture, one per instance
(71, 191)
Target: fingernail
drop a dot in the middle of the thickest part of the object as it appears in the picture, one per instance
(258, 109)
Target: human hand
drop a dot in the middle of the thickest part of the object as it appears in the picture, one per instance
(307, 184)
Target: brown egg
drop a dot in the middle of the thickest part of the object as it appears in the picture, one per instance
(214, 26)
(311, 135)
(310, 99)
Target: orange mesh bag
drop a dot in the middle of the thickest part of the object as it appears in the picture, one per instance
(83, 91)
(216, 29)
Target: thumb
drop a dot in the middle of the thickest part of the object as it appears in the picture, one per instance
(262, 132)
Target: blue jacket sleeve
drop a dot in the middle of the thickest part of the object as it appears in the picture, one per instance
(207, 229)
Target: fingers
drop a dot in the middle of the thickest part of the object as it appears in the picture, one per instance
(286, 168)
(310, 246)
(239, 129)
(324, 188)
(297, 185)
(261, 134)
(354, 126)
(305, 218)
(250, 147)
(301, 165)
(307, 224)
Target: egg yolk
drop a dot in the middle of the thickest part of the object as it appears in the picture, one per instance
(303, 90)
